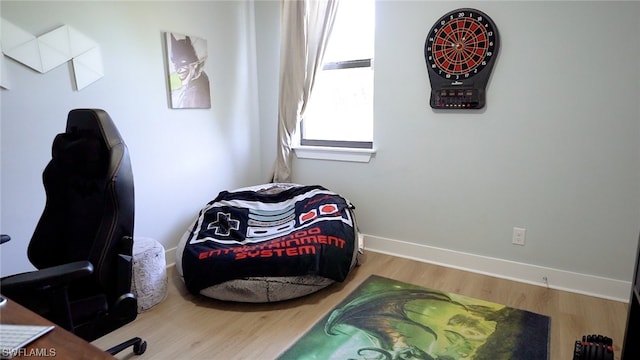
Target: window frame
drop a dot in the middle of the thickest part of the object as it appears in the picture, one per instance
(330, 66)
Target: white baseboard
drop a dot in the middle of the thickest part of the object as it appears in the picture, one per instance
(531, 274)
(170, 256)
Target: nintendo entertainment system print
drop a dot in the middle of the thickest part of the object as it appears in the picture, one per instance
(460, 51)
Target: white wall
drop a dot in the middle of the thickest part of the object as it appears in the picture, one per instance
(181, 158)
(267, 28)
(555, 151)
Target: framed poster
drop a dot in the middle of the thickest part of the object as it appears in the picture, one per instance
(188, 80)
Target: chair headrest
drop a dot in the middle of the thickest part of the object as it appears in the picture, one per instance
(81, 154)
(96, 121)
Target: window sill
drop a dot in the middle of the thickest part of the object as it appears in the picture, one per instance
(334, 153)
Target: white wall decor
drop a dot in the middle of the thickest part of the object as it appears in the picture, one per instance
(52, 49)
(4, 81)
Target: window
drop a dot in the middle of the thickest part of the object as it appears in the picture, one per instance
(340, 110)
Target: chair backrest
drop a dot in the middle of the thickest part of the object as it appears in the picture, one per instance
(90, 201)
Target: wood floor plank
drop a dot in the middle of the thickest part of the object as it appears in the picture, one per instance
(185, 326)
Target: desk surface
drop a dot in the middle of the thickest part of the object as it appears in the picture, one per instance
(58, 343)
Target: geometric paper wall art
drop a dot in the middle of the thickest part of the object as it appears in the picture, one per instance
(52, 49)
(4, 81)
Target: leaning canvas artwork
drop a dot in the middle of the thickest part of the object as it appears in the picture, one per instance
(188, 81)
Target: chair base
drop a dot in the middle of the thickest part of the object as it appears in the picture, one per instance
(139, 346)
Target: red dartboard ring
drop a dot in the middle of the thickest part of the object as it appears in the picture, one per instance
(460, 51)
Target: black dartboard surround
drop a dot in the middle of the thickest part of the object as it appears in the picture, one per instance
(460, 51)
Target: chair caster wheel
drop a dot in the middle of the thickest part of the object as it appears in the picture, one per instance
(140, 348)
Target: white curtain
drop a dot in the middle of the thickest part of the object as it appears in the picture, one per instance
(304, 30)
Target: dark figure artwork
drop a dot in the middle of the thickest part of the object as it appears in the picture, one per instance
(188, 81)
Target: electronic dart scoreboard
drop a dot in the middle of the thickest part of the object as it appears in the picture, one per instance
(460, 51)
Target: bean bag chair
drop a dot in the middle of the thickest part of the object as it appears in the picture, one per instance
(269, 242)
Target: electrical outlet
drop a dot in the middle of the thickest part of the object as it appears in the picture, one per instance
(518, 236)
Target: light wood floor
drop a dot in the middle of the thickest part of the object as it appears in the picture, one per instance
(194, 327)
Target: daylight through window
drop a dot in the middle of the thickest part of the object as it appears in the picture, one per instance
(340, 110)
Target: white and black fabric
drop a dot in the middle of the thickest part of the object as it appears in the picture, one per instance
(269, 243)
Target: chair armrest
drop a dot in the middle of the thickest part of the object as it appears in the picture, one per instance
(54, 276)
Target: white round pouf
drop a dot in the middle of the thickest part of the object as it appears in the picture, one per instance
(150, 280)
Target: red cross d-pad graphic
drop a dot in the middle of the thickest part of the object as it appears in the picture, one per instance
(224, 224)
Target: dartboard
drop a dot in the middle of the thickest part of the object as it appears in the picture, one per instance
(460, 51)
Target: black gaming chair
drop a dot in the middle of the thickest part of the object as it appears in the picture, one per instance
(83, 242)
